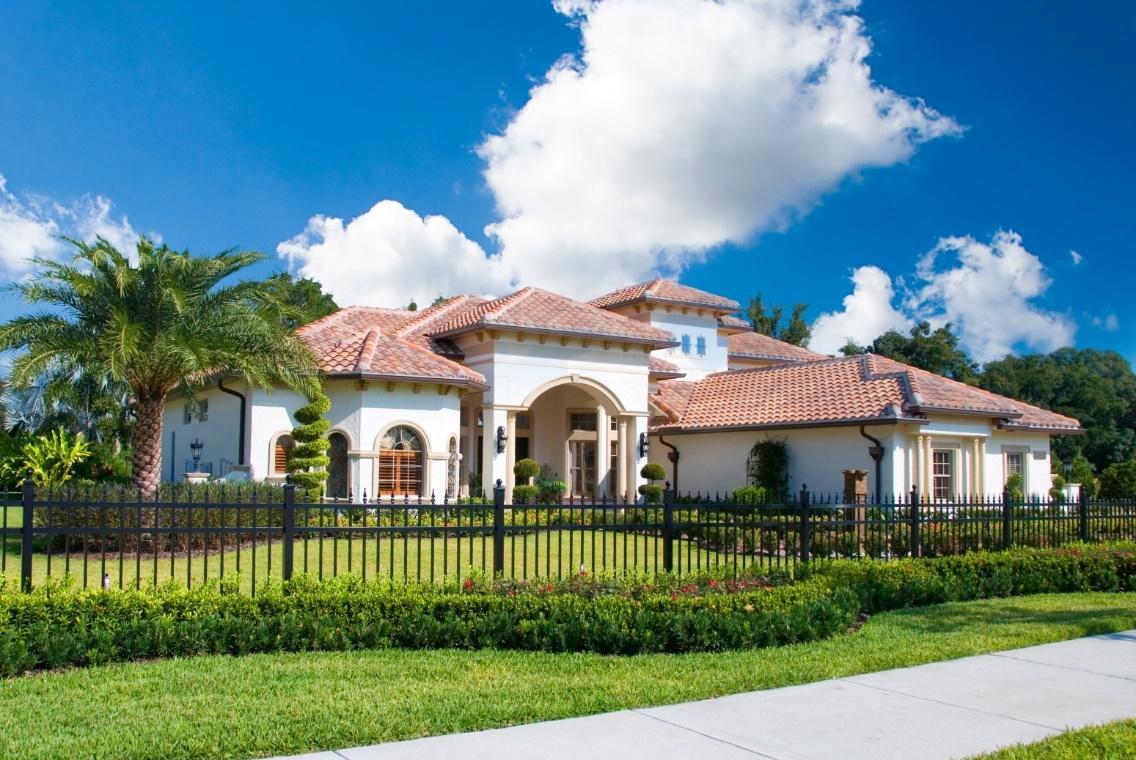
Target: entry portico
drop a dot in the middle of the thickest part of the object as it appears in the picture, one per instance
(568, 387)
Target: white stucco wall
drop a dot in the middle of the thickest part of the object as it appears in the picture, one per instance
(362, 414)
(716, 462)
(519, 371)
(218, 433)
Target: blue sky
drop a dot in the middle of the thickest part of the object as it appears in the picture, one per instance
(216, 127)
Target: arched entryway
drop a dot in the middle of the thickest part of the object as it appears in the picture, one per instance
(402, 459)
(337, 469)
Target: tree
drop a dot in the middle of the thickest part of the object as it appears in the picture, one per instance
(1118, 481)
(165, 322)
(796, 331)
(936, 351)
(309, 460)
(1096, 387)
(297, 302)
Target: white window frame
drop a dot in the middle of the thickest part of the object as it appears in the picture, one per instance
(951, 476)
(1016, 451)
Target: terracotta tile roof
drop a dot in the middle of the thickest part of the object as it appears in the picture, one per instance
(671, 397)
(417, 328)
(362, 340)
(542, 311)
(662, 368)
(665, 291)
(846, 390)
(730, 322)
(754, 345)
(933, 392)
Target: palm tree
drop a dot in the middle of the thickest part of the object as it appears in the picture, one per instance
(166, 322)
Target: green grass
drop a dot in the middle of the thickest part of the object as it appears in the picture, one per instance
(550, 554)
(288, 703)
(1112, 741)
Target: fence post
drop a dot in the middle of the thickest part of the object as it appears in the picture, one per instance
(1007, 519)
(806, 525)
(499, 528)
(1083, 514)
(289, 527)
(668, 528)
(915, 547)
(26, 535)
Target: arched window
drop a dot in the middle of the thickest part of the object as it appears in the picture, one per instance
(281, 454)
(337, 468)
(400, 463)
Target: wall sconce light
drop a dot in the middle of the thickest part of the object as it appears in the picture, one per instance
(195, 448)
(643, 445)
(501, 439)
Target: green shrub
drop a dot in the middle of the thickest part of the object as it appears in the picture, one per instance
(526, 494)
(308, 463)
(550, 490)
(57, 626)
(525, 470)
(1118, 480)
(653, 471)
(1014, 488)
(652, 494)
(749, 495)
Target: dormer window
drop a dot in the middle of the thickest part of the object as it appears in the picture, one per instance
(701, 345)
(685, 344)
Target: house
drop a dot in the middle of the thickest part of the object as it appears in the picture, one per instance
(436, 403)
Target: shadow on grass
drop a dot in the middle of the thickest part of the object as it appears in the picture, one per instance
(993, 615)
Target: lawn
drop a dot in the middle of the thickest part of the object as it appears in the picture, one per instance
(549, 554)
(287, 703)
(1112, 741)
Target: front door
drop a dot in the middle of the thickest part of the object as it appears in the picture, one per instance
(583, 471)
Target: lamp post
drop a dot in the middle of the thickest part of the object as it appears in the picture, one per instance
(195, 448)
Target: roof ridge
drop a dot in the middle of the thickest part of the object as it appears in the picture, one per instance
(784, 365)
(367, 350)
(514, 298)
(431, 312)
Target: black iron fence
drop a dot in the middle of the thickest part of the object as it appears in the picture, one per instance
(119, 539)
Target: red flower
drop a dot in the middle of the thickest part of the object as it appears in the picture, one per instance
(467, 584)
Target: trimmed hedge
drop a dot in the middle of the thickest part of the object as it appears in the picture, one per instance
(895, 584)
(59, 625)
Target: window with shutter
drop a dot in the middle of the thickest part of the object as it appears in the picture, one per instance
(281, 453)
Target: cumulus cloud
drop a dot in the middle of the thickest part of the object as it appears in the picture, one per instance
(987, 291)
(31, 225)
(679, 126)
(1108, 323)
(1077, 257)
(868, 313)
(390, 255)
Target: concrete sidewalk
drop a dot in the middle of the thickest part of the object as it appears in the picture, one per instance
(941, 710)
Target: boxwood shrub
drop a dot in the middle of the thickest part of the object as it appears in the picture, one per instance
(59, 625)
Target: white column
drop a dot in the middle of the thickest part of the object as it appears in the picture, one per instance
(510, 454)
(494, 463)
(603, 454)
(621, 464)
(982, 464)
(635, 427)
(469, 455)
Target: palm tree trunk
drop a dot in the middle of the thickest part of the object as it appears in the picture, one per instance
(147, 442)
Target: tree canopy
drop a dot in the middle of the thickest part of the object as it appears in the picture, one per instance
(169, 320)
(795, 331)
(936, 351)
(297, 301)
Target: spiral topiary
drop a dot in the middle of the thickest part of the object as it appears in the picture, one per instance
(309, 461)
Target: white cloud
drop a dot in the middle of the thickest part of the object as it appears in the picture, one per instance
(390, 255)
(987, 291)
(1108, 323)
(1077, 257)
(681, 125)
(868, 313)
(31, 225)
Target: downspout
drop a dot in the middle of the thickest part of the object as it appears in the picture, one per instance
(241, 425)
(877, 454)
(672, 455)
